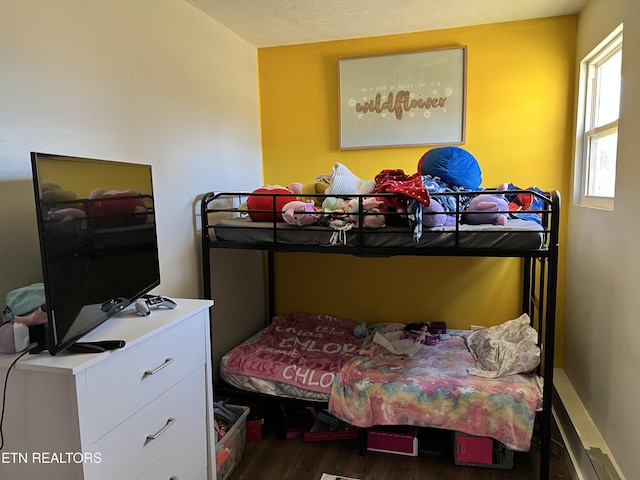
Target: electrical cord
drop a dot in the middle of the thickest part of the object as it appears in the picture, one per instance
(4, 391)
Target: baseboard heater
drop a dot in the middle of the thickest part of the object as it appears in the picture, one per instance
(589, 454)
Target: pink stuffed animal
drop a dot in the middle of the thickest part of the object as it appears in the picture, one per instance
(300, 213)
(488, 208)
(372, 217)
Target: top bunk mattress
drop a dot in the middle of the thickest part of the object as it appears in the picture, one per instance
(516, 235)
(408, 230)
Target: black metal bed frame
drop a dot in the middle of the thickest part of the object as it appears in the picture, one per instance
(540, 274)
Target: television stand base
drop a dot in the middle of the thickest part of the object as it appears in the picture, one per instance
(84, 347)
(96, 347)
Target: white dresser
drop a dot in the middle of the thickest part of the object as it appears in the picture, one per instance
(141, 412)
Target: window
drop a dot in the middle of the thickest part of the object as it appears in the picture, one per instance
(597, 139)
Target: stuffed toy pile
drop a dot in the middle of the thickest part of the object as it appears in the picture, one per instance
(325, 201)
(342, 200)
(453, 169)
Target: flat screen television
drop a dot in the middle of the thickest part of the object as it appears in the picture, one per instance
(98, 242)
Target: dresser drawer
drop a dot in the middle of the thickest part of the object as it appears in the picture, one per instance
(121, 385)
(130, 447)
(187, 460)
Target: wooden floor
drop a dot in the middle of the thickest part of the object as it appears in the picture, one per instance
(294, 459)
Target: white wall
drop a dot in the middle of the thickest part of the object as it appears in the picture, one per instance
(602, 331)
(148, 81)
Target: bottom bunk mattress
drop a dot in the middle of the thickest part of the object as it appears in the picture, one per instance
(433, 388)
(296, 356)
(320, 358)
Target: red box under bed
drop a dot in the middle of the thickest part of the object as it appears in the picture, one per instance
(401, 441)
(481, 452)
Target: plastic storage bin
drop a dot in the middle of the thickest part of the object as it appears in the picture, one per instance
(230, 447)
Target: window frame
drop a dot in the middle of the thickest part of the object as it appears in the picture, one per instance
(587, 114)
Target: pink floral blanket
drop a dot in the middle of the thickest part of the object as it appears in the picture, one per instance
(307, 351)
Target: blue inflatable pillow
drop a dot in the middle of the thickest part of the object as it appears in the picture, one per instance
(453, 165)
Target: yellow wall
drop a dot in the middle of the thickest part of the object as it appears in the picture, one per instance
(520, 78)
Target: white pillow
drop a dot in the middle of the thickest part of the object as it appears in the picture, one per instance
(343, 182)
(505, 349)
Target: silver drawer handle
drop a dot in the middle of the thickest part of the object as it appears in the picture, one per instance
(166, 363)
(170, 422)
(173, 477)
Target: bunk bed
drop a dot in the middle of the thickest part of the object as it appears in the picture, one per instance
(531, 236)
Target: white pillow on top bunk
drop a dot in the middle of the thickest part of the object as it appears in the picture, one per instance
(344, 182)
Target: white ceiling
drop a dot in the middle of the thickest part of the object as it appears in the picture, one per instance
(268, 23)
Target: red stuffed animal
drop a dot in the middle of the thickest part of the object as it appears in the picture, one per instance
(270, 200)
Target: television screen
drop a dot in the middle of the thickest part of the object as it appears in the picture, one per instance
(98, 241)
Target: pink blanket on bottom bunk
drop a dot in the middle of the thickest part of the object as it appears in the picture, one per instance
(434, 389)
(307, 351)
